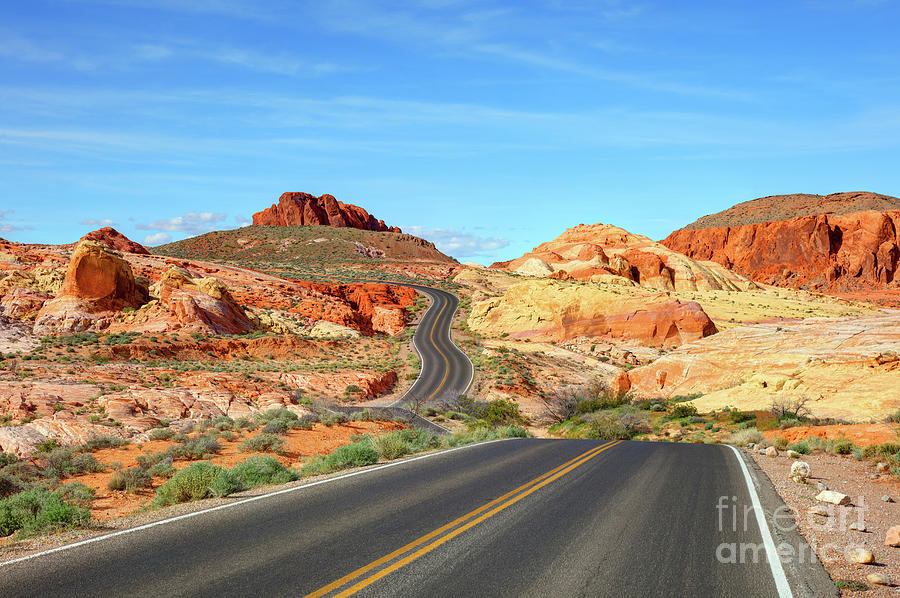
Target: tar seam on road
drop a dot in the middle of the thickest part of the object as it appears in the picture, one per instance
(468, 521)
(240, 502)
(781, 582)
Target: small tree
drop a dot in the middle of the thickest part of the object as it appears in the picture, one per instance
(790, 408)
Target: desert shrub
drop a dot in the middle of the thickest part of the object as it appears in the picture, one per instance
(887, 449)
(7, 459)
(745, 437)
(38, 511)
(356, 454)
(78, 494)
(696, 420)
(330, 418)
(223, 422)
(102, 442)
(801, 447)
(278, 427)
(224, 484)
(262, 470)
(622, 425)
(389, 446)
(161, 434)
(201, 447)
(843, 447)
(788, 422)
(131, 480)
(279, 413)
(499, 412)
(736, 416)
(680, 410)
(163, 469)
(780, 443)
(191, 483)
(245, 423)
(262, 443)
(796, 408)
(148, 461)
(512, 432)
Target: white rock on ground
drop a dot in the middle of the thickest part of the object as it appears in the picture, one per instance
(835, 498)
(800, 471)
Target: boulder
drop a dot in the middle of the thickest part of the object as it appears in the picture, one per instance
(98, 284)
(892, 537)
(323, 329)
(200, 304)
(861, 556)
(878, 579)
(800, 471)
(771, 451)
(23, 304)
(303, 209)
(833, 497)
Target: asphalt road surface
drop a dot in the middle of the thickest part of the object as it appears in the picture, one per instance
(523, 517)
(446, 372)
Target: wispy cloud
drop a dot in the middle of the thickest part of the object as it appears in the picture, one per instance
(96, 222)
(157, 239)
(8, 227)
(458, 243)
(193, 223)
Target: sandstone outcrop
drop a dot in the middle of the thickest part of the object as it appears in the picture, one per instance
(606, 253)
(97, 285)
(183, 302)
(831, 252)
(350, 386)
(552, 310)
(23, 304)
(844, 367)
(115, 240)
(303, 209)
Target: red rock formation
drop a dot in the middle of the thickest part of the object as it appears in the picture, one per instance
(98, 284)
(115, 240)
(368, 307)
(825, 252)
(303, 209)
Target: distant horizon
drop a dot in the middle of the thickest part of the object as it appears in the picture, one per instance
(484, 127)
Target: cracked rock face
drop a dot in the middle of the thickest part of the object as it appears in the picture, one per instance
(303, 209)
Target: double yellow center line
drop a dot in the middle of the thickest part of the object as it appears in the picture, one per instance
(459, 525)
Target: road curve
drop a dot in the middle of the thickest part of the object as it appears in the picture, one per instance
(525, 517)
(446, 372)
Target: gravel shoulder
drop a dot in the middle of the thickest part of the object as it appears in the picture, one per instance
(831, 536)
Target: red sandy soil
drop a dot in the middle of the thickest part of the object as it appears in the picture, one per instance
(859, 434)
(299, 444)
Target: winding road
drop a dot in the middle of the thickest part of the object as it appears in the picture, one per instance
(445, 372)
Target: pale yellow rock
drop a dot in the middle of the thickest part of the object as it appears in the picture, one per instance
(325, 329)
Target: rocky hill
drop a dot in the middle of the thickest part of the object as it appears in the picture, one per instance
(303, 209)
(785, 207)
(607, 253)
(840, 243)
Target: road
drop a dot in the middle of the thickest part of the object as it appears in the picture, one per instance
(445, 371)
(523, 517)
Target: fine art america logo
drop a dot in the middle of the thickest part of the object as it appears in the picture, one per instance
(735, 519)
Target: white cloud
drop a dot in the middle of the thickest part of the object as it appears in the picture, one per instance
(458, 243)
(242, 220)
(157, 239)
(193, 223)
(95, 222)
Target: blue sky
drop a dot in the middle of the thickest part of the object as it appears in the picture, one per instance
(487, 127)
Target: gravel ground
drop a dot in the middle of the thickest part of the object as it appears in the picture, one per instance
(831, 536)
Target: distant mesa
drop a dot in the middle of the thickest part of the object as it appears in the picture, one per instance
(303, 209)
(115, 240)
(839, 243)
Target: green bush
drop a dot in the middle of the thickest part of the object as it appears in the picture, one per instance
(224, 484)
(780, 443)
(278, 427)
(223, 422)
(736, 416)
(801, 447)
(262, 470)
(39, 511)
(390, 446)
(680, 410)
(163, 469)
(191, 483)
(843, 447)
(357, 454)
(78, 494)
(102, 442)
(512, 432)
(262, 443)
(161, 434)
(202, 447)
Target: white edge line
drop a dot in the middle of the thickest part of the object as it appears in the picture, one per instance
(238, 503)
(781, 582)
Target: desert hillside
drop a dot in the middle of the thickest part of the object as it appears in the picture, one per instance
(846, 243)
